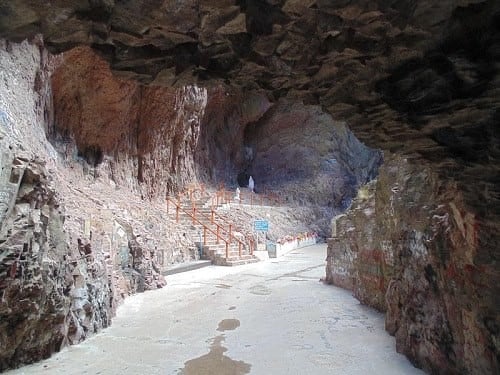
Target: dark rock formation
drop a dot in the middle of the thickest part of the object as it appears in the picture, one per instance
(410, 247)
(309, 158)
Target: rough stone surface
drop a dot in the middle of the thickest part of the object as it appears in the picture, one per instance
(412, 77)
(410, 247)
(417, 78)
(145, 135)
(158, 139)
(74, 243)
(310, 159)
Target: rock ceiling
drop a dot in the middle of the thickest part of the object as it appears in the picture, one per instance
(419, 78)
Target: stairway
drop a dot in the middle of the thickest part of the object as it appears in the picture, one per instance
(217, 238)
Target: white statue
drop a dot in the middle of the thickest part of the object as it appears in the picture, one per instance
(237, 196)
(251, 183)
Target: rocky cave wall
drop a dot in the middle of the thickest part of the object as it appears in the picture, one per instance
(417, 78)
(297, 151)
(411, 247)
(75, 236)
(309, 158)
(101, 153)
(146, 135)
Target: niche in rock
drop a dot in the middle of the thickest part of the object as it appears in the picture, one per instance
(243, 179)
(92, 154)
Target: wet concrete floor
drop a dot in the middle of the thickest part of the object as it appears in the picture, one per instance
(273, 317)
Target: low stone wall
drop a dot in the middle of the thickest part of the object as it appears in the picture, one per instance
(277, 250)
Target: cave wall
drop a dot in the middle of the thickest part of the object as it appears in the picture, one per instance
(418, 78)
(75, 238)
(297, 151)
(410, 246)
(148, 135)
(310, 159)
(221, 149)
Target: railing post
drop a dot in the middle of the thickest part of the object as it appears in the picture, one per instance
(194, 214)
(227, 250)
(239, 248)
(168, 203)
(230, 233)
(204, 235)
(212, 216)
(177, 214)
(218, 234)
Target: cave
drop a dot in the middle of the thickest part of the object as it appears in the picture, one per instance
(372, 125)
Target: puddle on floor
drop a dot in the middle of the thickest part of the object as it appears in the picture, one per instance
(215, 362)
(228, 325)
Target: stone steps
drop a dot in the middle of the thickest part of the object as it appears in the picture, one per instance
(211, 249)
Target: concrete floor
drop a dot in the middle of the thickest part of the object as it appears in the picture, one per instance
(270, 318)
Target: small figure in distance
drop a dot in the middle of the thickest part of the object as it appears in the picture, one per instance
(251, 184)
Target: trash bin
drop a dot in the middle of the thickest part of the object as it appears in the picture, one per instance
(271, 249)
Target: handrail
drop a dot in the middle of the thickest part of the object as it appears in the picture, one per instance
(221, 196)
(230, 225)
(205, 227)
(213, 213)
(248, 238)
(245, 196)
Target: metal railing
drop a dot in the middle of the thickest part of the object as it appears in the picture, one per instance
(225, 196)
(218, 232)
(221, 196)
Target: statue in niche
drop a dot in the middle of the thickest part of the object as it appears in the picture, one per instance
(237, 196)
(251, 184)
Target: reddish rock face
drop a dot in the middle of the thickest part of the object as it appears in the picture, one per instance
(154, 130)
(410, 247)
(76, 235)
(97, 109)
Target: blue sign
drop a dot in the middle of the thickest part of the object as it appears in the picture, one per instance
(261, 225)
